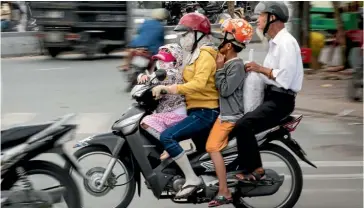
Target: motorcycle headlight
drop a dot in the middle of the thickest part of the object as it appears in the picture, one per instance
(138, 90)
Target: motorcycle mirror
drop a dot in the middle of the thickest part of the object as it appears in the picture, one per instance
(161, 74)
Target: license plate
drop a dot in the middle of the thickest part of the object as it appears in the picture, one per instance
(140, 61)
(54, 37)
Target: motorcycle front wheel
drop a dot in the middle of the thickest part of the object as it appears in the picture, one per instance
(297, 178)
(34, 167)
(98, 158)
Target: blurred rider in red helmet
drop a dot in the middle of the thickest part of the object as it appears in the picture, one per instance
(199, 88)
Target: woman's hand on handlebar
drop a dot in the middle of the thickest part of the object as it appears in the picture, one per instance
(159, 90)
(172, 89)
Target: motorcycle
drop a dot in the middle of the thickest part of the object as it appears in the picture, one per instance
(19, 145)
(141, 62)
(137, 152)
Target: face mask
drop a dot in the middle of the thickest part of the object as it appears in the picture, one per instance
(164, 65)
(187, 41)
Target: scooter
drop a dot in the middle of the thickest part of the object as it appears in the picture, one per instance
(19, 146)
(141, 62)
(138, 152)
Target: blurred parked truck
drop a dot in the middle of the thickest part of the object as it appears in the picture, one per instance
(88, 27)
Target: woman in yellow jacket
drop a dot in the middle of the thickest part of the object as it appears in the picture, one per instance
(202, 98)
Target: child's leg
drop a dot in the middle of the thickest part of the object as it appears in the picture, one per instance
(151, 131)
(218, 140)
(221, 174)
(156, 134)
(155, 124)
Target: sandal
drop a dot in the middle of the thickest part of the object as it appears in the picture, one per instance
(248, 178)
(164, 155)
(219, 201)
(194, 189)
(123, 68)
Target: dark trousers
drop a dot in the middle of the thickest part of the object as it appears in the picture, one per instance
(275, 107)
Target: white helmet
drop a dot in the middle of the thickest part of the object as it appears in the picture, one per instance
(160, 14)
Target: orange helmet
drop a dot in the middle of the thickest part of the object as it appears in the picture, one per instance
(238, 29)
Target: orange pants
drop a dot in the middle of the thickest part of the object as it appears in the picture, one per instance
(218, 138)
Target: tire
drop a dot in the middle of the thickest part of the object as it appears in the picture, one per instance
(54, 51)
(297, 174)
(72, 195)
(130, 192)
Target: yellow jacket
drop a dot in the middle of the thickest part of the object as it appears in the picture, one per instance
(199, 87)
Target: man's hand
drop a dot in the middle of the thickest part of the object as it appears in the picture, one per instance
(252, 66)
(220, 60)
(157, 91)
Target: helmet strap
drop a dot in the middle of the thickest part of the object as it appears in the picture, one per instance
(224, 41)
(266, 28)
(196, 41)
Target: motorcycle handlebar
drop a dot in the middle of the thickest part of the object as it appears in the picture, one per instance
(164, 92)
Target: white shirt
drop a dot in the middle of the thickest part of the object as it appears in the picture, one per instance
(284, 57)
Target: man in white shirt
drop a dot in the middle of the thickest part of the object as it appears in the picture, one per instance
(283, 73)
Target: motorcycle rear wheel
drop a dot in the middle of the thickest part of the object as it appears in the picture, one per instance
(296, 191)
(72, 196)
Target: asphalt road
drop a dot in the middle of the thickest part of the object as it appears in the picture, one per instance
(39, 89)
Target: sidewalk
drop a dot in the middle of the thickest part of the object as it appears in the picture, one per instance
(328, 97)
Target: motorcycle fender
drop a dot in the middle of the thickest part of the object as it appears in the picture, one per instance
(108, 140)
(296, 148)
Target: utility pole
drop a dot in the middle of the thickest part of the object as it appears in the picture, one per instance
(340, 28)
(305, 31)
(296, 21)
(231, 8)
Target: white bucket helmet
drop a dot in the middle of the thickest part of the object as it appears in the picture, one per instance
(160, 14)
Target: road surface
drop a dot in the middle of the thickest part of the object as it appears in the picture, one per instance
(38, 89)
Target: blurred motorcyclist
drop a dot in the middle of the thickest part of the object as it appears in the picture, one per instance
(5, 15)
(150, 36)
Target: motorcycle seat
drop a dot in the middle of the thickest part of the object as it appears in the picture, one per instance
(14, 136)
(261, 135)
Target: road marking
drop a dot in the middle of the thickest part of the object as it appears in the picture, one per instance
(327, 128)
(319, 164)
(50, 69)
(318, 191)
(358, 176)
(92, 123)
(11, 119)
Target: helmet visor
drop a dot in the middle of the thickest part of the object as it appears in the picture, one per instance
(182, 28)
(164, 55)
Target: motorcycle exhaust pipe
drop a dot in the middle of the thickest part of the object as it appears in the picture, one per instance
(17, 199)
(56, 194)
